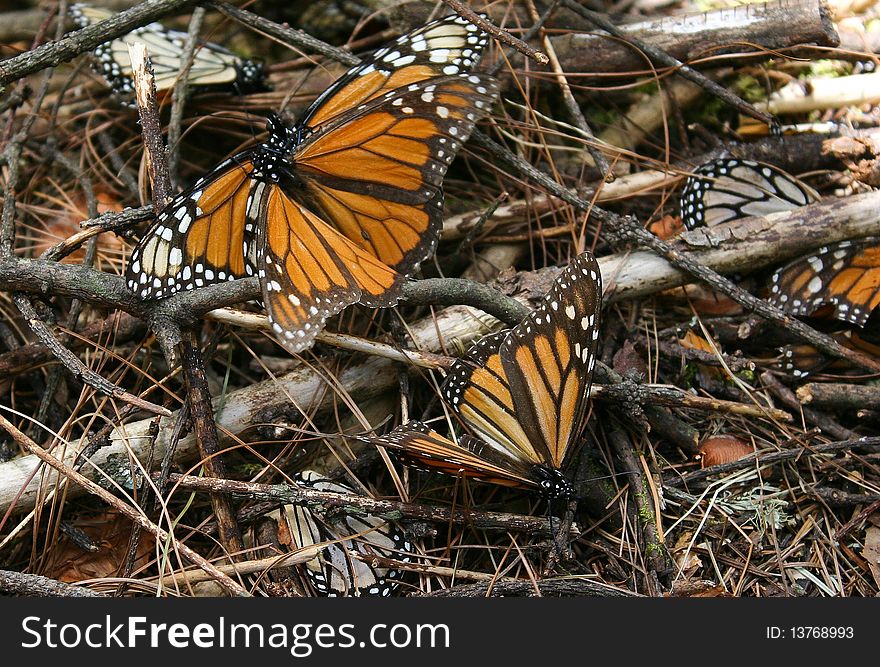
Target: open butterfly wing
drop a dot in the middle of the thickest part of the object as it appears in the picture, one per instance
(376, 172)
(200, 237)
(444, 47)
(423, 447)
(309, 271)
(844, 275)
(728, 189)
(549, 357)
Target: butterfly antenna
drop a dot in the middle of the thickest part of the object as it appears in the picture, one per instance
(586, 498)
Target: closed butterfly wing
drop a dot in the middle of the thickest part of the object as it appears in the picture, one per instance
(335, 572)
(844, 276)
(800, 360)
(729, 189)
(524, 392)
(425, 448)
(549, 358)
(478, 389)
(213, 66)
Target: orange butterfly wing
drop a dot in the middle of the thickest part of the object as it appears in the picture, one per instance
(845, 276)
(524, 392)
(200, 238)
(309, 271)
(549, 359)
(444, 47)
(478, 389)
(340, 208)
(376, 174)
(423, 447)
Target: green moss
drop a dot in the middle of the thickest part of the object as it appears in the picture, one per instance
(655, 549)
(827, 68)
(689, 375)
(646, 514)
(749, 377)
(749, 88)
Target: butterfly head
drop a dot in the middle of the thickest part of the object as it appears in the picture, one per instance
(281, 136)
(553, 483)
(271, 161)
(251, 77)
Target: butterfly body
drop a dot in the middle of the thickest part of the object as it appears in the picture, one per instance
(524, 392)
(343, 206)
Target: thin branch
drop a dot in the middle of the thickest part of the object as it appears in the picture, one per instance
(296, 38)
(628, 228)
(563, 587)
(202, 415)
(501, 35)
(654, 394)
(151, 127)
(181, 90)
(24, 585)
(571, 105)
(840, 396)
(454, 291)
(123, 327)
(161, 535)
(117, 221)
(351, 503)
(73, 364)
(87, 39)
(812, 416)
(653, 548)
(660, 57)
(759, 459)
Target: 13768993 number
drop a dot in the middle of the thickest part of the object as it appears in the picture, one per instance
(820, 632)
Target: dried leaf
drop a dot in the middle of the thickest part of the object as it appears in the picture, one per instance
(666, 227)
(627, 360)
(65, 223)
(111, 532)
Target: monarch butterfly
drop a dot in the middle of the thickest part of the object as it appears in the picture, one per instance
(212, 67)
(334, 572)
(524, 391)
(728, 188)
(842, 278)
(802, 360)
(339, 208)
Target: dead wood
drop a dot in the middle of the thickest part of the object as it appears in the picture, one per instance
(744, 31)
